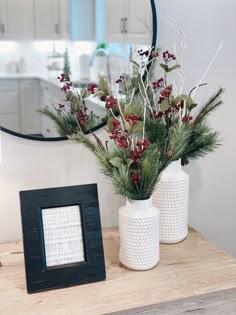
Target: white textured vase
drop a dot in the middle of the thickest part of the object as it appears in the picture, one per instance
(171, 198)
(139, 235)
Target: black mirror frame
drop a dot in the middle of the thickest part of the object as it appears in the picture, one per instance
(154, 40)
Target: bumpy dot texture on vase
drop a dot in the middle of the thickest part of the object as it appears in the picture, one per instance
(139, 242)
(171, 198)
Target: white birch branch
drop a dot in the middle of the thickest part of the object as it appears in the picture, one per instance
(207, 69)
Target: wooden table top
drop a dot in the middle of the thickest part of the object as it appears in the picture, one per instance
(190, 268)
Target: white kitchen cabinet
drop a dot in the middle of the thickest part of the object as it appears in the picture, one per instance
(64, 6)
(29, 103)
(34, 19)
(16, 19)
(20, 101)
(9, 109)
(129, 21)
(115, 26)
(51, 96)
(47, 19)
(139, 22)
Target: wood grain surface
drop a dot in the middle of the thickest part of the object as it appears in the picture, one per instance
(187, 269)
(217, 303)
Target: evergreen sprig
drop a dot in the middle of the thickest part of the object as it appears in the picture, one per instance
(65, 123)
(202, 141)
(148, 128)
(211, 105)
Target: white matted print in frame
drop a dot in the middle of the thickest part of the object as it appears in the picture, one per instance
(63, 235)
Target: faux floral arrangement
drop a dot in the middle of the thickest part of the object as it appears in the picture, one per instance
(148, 127)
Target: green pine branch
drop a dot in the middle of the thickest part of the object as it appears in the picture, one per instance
(201, 142)
(211, 105)
(64, 124)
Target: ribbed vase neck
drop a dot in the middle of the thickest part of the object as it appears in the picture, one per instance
(140, 204)
(174, 167)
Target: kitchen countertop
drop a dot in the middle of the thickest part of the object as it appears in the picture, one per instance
(39, 76)
(187, 269)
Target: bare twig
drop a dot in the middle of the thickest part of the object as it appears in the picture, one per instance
(183, 46)
(195, 88)
(208, 68)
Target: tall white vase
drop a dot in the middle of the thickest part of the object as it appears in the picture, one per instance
(171, 198)
(139, 235)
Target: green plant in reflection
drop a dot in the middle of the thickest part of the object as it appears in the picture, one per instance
(72, 115)
(149, 125)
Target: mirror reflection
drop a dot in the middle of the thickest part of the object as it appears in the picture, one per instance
(40, 40)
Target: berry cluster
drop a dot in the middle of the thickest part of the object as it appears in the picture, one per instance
(168, 56)
(116, 124)
(187, 118)
(103, 98)
(156, 114)
(158, 84)
(165, 94)
(180, 105)
(143, 53)
(120, 137)
(111, 102)
(132, 119)
(135, 178)
(62, 77)
(82, 117)
(66, 87)
(138, 151)
(154, 54)
(92, 88)
(61, 106)
(120, 80)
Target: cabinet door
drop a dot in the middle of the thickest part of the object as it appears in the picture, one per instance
(51, 96)
(47, 19)
(2, 20)
(138, 22)
(115, 14)
(16, 19)
(48, 127)
(65, 19)
(29, 104)
(9, 107)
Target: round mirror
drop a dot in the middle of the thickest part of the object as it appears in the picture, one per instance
(24, 94)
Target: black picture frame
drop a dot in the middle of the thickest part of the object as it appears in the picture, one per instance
(39, 277)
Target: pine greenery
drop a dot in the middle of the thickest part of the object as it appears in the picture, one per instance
(203, 140)
(65, 123)
(148, 128)
(211, 105)
(72, 116)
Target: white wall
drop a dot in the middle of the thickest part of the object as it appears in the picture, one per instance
(29, 165)
(32, 165)
(213, 179)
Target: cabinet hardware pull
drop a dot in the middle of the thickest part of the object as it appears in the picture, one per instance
(68, 28)
(125, 24)
(3, 28)
(122, 25)
(57, 28)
